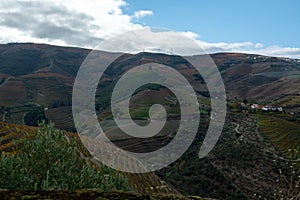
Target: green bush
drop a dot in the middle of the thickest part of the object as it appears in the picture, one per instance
(48, 162)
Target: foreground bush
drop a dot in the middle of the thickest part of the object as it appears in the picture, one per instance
(49, 162)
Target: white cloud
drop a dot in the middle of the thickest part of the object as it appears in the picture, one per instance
(190, 35)
(251, 48)
(278, 51)
(63, 22)
(259, 45)
(187, 43)
(245, 47)
(153, 40)
(142, 13)
(86, 23)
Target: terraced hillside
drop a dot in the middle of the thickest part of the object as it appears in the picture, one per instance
(257, 77)
(284, 134)
(10, 132)
(243, 165)
(43, 75)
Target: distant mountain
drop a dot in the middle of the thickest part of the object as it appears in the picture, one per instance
(245, 76)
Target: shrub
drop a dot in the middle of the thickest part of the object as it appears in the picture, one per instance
(49, 162)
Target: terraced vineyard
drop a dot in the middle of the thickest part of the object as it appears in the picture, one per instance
(283, 134)
(10, 133)
(291, 103)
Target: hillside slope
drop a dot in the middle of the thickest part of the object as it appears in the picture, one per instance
(36, 83)
(38, 75)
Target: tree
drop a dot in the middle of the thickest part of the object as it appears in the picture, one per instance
(35, 116)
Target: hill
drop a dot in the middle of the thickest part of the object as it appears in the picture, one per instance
(38, 75)
(252, 158)
(43, 75)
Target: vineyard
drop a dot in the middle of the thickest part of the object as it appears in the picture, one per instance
(283, 134)
(9, 133)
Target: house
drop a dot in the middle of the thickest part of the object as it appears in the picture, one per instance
(254, 106)
(265, 108)
(241, 106)
(280, 109)
(272, 108)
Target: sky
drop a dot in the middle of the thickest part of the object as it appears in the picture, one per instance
(267, 27)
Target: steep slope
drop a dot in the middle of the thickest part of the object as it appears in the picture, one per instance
(243, 165)
(257, 77)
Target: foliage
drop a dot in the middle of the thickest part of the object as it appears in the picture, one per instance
(48, 162)
(35, 116)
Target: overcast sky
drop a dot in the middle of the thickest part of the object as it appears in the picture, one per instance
(262, 27)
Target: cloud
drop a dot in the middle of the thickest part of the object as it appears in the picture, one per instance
(251, 48)
(187, 43)
(191, 35)
(142, 13)
(278, 51)
(259, 45)
(86, 24)
(63, 22)
(153, 40)
(246, 47)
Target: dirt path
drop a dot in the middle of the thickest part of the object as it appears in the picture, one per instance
(3, 116)
(6, 80)
(236, 129)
